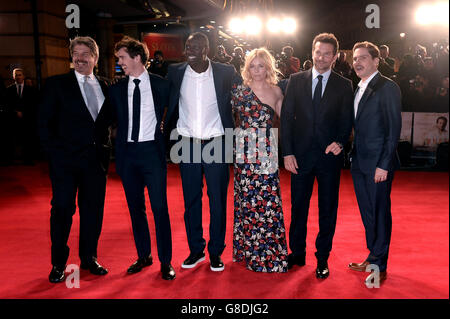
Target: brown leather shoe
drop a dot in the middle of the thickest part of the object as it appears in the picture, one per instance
(359, 267)
(382, 277)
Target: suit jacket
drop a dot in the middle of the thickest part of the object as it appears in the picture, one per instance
(224, 77)
(377, 126)
(118, 93)
(334, 122)
(66, 128)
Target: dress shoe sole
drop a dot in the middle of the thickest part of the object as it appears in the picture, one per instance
(357, 268)
(56, 281)
(192, 265)
(168, 278)
(136, 270)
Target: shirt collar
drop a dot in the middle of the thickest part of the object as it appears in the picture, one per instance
(325, 75)
(144, 77)
(80, 76)
(207, 73)
(363, 84)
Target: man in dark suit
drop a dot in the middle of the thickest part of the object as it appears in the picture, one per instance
(20, 101)
(139, 100)
(200, 92)
(377, 125)
(74, 127)
(316, 121)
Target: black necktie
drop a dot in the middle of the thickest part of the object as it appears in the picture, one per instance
(136, 111)
(318, 92)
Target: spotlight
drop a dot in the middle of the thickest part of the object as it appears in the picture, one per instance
(289, 25)
(433, 14)
(274, 25)
(252, 25)
(402, 35)
(236, 25)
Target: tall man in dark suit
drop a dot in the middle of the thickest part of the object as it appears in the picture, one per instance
(200, 92)
(377, 125)
(316, 120)
(139, 100)
(74, 127)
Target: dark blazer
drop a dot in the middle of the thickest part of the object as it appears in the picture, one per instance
(377, 126)
(297, 114)
(24, 103)
(118, 93)
(225, 76)
(66, 127)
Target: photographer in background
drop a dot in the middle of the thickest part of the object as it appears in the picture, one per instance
(238, 59)
(158, 65)
(222, 55)
(288, 63)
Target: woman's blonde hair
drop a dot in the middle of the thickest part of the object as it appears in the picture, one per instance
(269, 62)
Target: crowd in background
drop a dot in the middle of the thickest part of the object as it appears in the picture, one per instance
(422, 75)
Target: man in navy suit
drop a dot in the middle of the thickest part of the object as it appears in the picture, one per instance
(200, 92)
(377, 125)
(316, 121)
(74, 126)
(139, 101)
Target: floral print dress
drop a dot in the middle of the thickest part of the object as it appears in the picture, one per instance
(259, 236)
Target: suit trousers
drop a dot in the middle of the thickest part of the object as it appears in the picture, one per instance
(217, 177)
(374, 201)
(145, 167)
(83, 175)
(326, 170)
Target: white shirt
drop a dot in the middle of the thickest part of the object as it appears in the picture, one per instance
(95, 85)
(325, 78)
(198, 108)
(362, 87)
(148, 119)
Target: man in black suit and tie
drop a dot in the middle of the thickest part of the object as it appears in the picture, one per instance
(316, 120)
(74, 127)
(200, 92)
(377, 125)
(139, 101)
(20, 101)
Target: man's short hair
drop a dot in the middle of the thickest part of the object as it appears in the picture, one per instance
(87, 41)
(327, 38)
(372, 48)
(384, 47)
(133, 48)
(17, 69)
(288, 47)
(200, 36)
(158, 52)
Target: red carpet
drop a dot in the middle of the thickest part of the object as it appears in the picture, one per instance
(418, 266)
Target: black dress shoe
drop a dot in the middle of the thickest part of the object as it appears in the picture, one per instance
(139, 264)
(295, 260)
(216, 263)
(322, 270)
(167, 271)
(193, 260)
(94, 267)
(57, 274)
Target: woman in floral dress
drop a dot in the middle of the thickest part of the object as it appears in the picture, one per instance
(259, 236)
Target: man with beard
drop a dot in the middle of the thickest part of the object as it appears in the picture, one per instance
(74, 127)
(316, 120)
(200, 102)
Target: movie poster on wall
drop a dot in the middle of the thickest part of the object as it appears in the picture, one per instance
(430, 129)
(405, 133)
